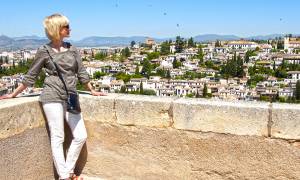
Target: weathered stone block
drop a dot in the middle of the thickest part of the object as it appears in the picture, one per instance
(139, 152)
(19, 114)
(240, 118)
(98, 108)
(286, 121)
(141, 110)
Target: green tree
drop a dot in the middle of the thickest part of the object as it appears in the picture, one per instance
(205, 91)
(190, 95)
(168, 76)
(149, 92)
(218, 44)
(197, 94)
(141, 88)
(126, 52)
(98, 74)
(200, 54)
(209, 64)
(281, 71)
(153, 55)
(176, 63)
(80, 86)
(161, 72)
(132, 44)
(137, 70)
(297, 91)
(247, 57)
(191, 43)
(123, 76)
(240, 70)
(100, 56)
(280, 43)
(233, 67)
(165, 48)
(123, 89)
(179, 44)
(147, 68)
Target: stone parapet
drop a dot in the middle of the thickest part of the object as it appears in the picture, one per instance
(237, 118)
(149, 137)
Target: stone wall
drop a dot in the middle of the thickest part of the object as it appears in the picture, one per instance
(148, 137)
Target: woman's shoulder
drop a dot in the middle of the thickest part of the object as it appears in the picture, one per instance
(42, 49)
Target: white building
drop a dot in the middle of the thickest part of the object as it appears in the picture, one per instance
(286, 92)
(291, 43)
(242, 44)
(266, 48)
(293, 76)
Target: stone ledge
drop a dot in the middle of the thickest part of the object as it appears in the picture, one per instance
(286, 121)
(240, 118)
(140, 110)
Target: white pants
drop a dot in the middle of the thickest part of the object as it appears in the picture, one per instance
(55, 114)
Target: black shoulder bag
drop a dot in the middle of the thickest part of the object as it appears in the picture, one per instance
(72, 102)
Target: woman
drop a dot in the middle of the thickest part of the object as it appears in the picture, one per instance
(54, 95)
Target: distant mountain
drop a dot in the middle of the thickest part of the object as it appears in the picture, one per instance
(6, 41)
(28, 42)
(266, 37)
(29, 37)
(33, 42)
(214, 37)
(108, 41)
(271, 36)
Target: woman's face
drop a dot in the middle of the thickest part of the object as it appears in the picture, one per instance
(65, 31)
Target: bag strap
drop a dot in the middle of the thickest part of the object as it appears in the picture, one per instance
(57, 69)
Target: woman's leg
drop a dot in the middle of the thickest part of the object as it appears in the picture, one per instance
(55, 116)
(75, 121)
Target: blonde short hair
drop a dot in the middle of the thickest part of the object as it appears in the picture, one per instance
(53, 25)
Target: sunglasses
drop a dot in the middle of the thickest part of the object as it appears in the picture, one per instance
(67, 26)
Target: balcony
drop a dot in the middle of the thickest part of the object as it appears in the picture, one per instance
(149, 137)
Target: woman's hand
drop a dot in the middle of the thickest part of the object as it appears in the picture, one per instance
(6, 96)
(19, 89)
(95, 93)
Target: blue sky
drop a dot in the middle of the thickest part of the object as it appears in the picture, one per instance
(155, 18)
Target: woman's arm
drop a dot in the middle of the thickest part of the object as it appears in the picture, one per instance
(17, 91)
(31, 75)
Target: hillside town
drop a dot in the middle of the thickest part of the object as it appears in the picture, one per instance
(250, 70)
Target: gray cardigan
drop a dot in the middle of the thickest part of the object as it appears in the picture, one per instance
(71, 68)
